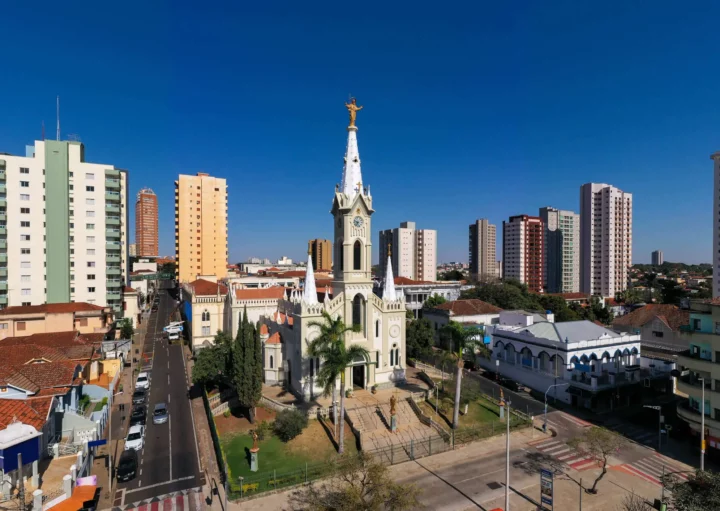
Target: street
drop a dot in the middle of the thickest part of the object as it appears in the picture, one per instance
(169, 462)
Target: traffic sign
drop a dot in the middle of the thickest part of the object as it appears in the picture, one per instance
(546, 487)
(97, 443)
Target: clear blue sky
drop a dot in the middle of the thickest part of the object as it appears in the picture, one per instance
(489, 109)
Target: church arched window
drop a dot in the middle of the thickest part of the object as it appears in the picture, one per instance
(271, 361)
(206, 316)
(341, 254)
(357, 255)
(358, 313)
(377, 328)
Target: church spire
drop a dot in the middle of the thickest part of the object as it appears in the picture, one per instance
(389, 287)
(352, 175)
(310, 293)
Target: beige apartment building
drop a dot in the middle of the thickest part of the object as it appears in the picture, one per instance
(200, 227)
(413, 252)
(146, 224)
(482, 249)
(321, 254)
(85, 318)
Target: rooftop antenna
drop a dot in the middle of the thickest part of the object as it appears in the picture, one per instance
(58, 118)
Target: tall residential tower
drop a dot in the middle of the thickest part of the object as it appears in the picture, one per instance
(605, 239)
(482, 250)
(562, 250)
(414, 252)
(146, 224)
(63, 227)
(657, 258)
(320, 254)
(523, 251)
(200, 227)
(716, 223)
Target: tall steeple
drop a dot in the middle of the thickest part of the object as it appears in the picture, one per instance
(352, 175)
(310, 292)
(389, 286)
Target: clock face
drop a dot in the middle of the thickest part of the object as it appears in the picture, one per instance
(394, 331)
(358, 221)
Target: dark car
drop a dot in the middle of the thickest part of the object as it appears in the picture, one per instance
(138, 416)
(510, 384)
(138, 397)
(127, 466)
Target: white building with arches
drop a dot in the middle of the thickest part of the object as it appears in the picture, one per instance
(601, 368)
(381, 318)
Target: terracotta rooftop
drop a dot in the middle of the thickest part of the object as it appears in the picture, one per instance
(404, 281)
(280, 318)
(671, 315)
(274, 339)
(267, 293)
(264, 329)
(128, 289)
(54, 339)
(204, 287)
(292, 273)
(51, 308)
(32, 412)
(469, 307)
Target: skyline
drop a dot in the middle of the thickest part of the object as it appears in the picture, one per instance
(549, 101)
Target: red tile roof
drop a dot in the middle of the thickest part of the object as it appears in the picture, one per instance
(55, 374)
(204, 287)
(469, 307)
(264, 330)
(282, 318)
(292, 273)
(267, 293)
(127, 289)
(28, 412)
(54, 339)
(404, 281)
(51, 308)
(274, 339)
(671, 315)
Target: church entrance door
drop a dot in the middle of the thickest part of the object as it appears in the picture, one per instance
(358, 376)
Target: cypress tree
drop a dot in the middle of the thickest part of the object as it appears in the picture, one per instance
(248, 365)
(238, 364)
(258, 369)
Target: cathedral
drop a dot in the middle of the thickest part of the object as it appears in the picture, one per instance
(287, 332)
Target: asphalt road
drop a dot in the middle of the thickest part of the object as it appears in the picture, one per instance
(170, 460)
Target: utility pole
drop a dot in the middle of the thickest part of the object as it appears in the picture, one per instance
(21, 484)
(581, 490)
(702, 428)
(507, 457)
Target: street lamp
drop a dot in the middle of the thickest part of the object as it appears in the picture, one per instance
(507, 456)
(660, 418)
(546, 393)
(702, 427)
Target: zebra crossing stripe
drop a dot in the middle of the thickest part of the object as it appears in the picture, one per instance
(563, 451)
(572, 455)
(560, 447)
(585, 463)
(640, 473)
(545, 443)
(654, 470)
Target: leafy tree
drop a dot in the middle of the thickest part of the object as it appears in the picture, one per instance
(141, 298)
(701, 492)
(452, 275)
(671, 292)
(420, 338)
(336, 357)
(599, 444)
(600, 312)
(289, 424)
(507, 295)
(168, 268)
(360, 483)
(559, 307)
(126, 329)
(434, 301)
(209, 366)
(409, 315)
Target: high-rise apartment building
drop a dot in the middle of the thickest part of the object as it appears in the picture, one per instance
(414, 252)
(524, 250)
(146, 224)
(482, 249)
(562, 250)
(63, 227)
(321, 254)
(657, 258)
(716, 223)
(605, 239)
(200, 227)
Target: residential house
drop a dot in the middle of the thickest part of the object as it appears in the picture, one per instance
(656, 324)
(471, 313)
(85, 318)
(204, 310)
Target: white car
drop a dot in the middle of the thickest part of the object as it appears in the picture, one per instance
(143, 381)
(174, 336)
(136, 438)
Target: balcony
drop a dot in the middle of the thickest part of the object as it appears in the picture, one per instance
(112, 184)
(113, 258)
(3, 217)
(3, 285)
(112, 173)
(3, 229)
(113, 246)
(116, 283)
(3, 258)
(3, 202)
(690, 361)
(113, 270)
(110, 208)
(694, 417)
(112, 220)
(112, 196)
(113, 233)
(3, 272)
(693, 387)
(2, 187)
(3, 244)
(3, 300)
(113, 295)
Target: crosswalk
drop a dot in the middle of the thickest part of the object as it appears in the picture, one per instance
(653, 467)
(187, 500)
(565, 454)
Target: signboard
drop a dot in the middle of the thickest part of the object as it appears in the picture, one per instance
(97, 443)
(145, 276)
(173, 329)
(582, 368)
(546, 488)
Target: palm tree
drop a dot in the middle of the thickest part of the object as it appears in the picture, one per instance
(337, 357)
(464, 343)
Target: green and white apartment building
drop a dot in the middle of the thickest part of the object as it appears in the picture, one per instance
(63, 227)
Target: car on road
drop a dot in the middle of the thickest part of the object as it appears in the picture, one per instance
(135, 438)
(160, 414)
(138, 415)
(173, 336)
(143, 381)
(139, 396)
(127, 466)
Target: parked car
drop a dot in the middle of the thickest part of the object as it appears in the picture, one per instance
(138, 416)
(127, 466)
(143, 381)
(174, 336)
(160, 414)
(139, 396)
(136, 438)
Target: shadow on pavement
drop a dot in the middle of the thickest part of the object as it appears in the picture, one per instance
(452, 486)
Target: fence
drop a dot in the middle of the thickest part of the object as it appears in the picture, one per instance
(219, 454)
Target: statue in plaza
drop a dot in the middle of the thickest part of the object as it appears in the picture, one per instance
(255, 440)
(353, 109)
(393, 405)
(502, 398)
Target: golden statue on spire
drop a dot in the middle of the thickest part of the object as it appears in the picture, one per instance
(353, 109)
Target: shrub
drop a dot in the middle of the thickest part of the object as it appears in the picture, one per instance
(289, 424)
(104, 401)
(263, 430)
(226, 413)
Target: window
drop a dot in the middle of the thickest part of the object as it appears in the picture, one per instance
(24, 184)
(20, 325)
(89, 188)
(206, 330)
(205, 316)
(82, 322)
(24, 196)
(357, 255)
(24, 237)
(90, 251)
(24, 170)
(91, 290)
(24, 223)
(91, 276)
(358, 311)
(90, 227)
(25, 292)
(3, 326)
(377, 328)
(90, 202)
(271, 361)
(91, 264)
(25, 304)
(25, 251)
(25, 211)
(90, 214)
(25, 278)
(657, 334)
(89, 176)
(90, 239)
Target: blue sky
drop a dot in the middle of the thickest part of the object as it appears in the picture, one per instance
(480, 109)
